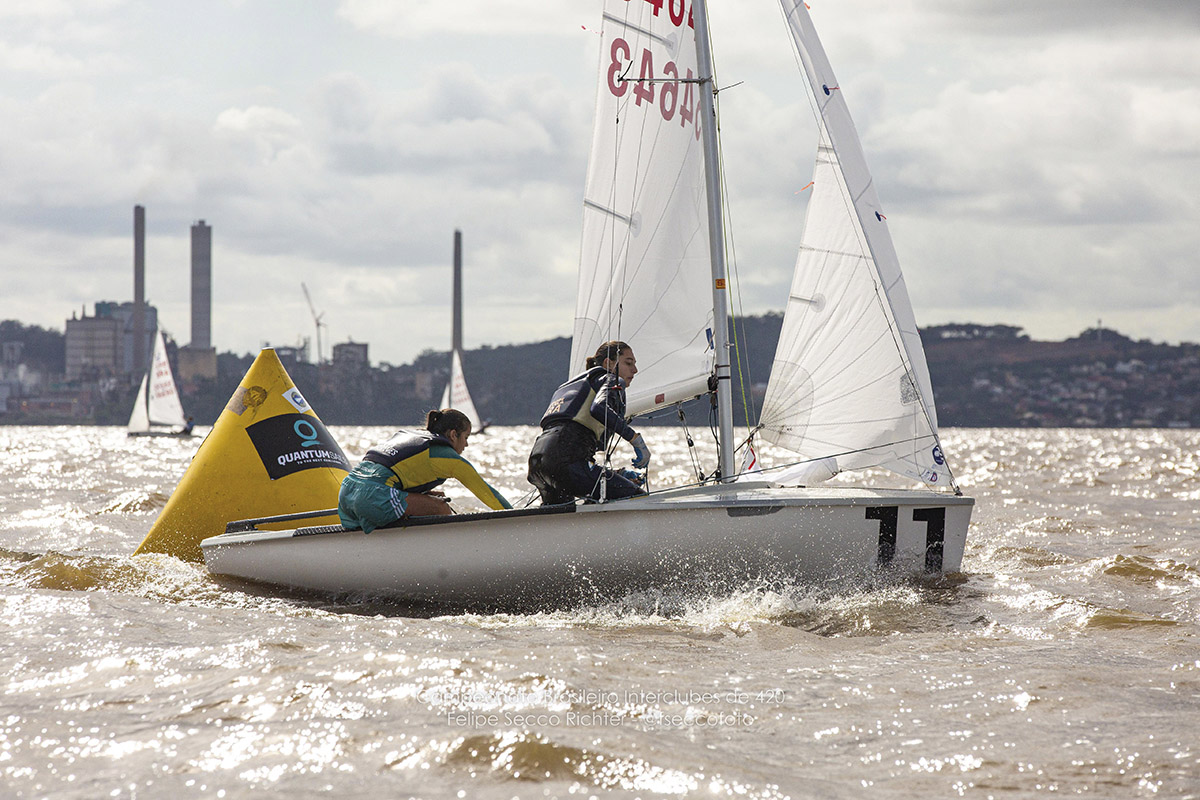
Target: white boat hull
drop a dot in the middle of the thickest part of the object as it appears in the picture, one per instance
(705, 539)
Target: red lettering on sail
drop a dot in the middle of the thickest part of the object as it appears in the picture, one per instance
(644, 90)
(619, 51)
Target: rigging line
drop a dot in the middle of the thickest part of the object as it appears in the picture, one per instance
(690, 442)
(714, 428)
(615, 268)
(526, 499)
(741, 355)
(732, 267)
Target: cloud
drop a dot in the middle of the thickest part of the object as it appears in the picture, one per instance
(1032, 158)
(453, 119)
(1039, 18)
(39, 59)
(418, 18)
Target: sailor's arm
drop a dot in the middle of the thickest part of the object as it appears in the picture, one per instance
(608, 408)
(455, 466)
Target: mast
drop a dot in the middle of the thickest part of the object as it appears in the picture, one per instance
(716, 241)
(456, 329)
(139, 286)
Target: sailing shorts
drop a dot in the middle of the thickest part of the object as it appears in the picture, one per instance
(367, 502)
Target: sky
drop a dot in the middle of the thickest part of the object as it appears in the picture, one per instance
(1038, 160)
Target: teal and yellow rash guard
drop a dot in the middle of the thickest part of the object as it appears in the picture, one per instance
(421, 461)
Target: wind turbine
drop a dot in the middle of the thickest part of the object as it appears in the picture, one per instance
(316, 320)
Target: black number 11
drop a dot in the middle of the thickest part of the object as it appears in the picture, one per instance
(935, 533)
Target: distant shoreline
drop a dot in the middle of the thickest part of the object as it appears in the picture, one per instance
(983, 376)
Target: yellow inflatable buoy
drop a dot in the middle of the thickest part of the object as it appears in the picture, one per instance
(267, 454)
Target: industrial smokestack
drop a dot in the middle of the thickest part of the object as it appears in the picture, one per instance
(140, 359)
(456, 336)
(201, 286)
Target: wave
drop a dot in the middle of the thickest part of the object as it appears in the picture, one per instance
(527, 757)
(880, 608)
(1151, 571)
(135, 501)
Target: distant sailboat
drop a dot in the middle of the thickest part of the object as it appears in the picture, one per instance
(456, 394)
(157, 410)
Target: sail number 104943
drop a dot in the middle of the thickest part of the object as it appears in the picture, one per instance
(673, 98)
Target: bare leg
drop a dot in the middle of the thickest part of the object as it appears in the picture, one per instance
(422, 505)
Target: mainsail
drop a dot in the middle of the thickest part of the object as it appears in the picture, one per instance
(849, 381)
(456, 395)
(644, 268)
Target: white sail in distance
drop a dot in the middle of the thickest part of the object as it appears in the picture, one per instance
(457, 396)
(157, 402)
(163, 404)
(644, 265)
(139, 418)
(849, 380)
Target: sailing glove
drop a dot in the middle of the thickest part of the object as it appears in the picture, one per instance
(641, 453)
(634, 477)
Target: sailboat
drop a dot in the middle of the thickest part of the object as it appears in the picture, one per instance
(849, 388)
(456, 394)
(157, 410)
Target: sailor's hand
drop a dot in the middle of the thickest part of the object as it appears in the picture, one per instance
(634, 477)
(641, 453)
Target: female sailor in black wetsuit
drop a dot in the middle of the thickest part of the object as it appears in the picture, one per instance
(583, 415)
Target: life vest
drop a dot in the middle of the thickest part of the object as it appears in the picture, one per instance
(574, 400)
(407, 449)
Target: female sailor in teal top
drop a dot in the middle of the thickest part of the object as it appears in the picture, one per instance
(399, 476)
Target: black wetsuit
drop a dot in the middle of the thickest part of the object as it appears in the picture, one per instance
(582, 416)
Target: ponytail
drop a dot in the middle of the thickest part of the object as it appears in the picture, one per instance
(447, 419)
(609, 350)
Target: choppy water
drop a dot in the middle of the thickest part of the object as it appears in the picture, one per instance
(1064, 660)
